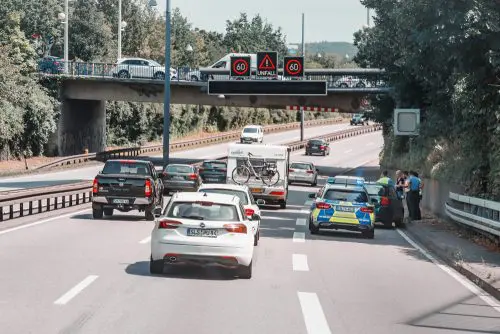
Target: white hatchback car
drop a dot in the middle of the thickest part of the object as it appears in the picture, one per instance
(203, 229)
(250, 205)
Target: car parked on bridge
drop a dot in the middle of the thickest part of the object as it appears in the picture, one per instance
(388, 206)
(203, 229)
(181, 177)
(303, 172)
(126, 185)
(140, 68)
(51, 65)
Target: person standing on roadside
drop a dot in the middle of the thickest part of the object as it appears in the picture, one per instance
(414, 196)
(385, 179)
(400, 184)
(406, 190)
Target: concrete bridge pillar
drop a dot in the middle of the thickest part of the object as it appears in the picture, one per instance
(82, 125)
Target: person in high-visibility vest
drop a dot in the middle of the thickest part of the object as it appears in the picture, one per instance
(385, 179)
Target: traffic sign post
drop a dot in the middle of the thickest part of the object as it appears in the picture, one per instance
(267, 64)
(240, 67)
(293, 67)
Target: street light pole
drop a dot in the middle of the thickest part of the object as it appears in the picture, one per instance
(66, 35)
(302, 107)
(166, 101)
(119, 29)
(368, 17)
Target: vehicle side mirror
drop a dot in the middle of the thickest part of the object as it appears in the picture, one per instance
(312, 195)
(157, 212)
(260, 202)
(255, 217)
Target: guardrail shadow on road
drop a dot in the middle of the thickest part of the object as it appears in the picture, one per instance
(141, 268)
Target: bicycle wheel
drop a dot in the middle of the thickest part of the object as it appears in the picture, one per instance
(241, 175)
(272, 178)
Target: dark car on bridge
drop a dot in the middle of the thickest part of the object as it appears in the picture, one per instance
(213, 171)
(317, 146)
(388, 206)
(180, 177)
(51, 65)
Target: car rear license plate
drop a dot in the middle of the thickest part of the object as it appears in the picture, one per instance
(212, 180)
(179, 178)
(257, 190)
(120, 201)
(345, 208)
(199, 232)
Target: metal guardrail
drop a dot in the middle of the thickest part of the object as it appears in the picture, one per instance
(140, 150)
(357, 78)
(477, 213)
(25, 202)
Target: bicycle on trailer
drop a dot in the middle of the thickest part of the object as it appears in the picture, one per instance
(268, 172)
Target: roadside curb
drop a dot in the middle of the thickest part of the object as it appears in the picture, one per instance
(412, 230)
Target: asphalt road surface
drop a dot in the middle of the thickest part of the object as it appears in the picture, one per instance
(193, 155)
(67, 273)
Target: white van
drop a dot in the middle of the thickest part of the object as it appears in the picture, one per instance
(251, 158)
(224, 63)
(252, 134)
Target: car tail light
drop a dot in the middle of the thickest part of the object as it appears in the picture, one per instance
(321, 205)
(193, 176)
(367, 209)
(384, 201)
(169, 224)
(205, 203)
(95, 186)
(277, 193)
(322, 147)
(310, 172)
(147, 188)
(249, 212)
(291, 170)
(236, 228)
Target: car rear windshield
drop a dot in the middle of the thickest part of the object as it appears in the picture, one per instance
(125, 167)
(179, 169)
(346, 195)
(203, 211)
(214, 164)
(316, 142)
(376, 190)
(250, 130)
(300, 166)
(240, 194)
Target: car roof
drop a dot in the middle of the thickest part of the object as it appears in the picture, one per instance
(129, 161)
(344, 187)
(206, 197)
(302, 162)
(179, 165)
(225, 186)
(215, 160)
(252, 126)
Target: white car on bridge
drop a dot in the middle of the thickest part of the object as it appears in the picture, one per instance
(203, 229)
(140, 68)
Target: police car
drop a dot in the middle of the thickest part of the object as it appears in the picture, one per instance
(343, 206)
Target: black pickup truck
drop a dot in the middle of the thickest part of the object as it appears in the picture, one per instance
(127, 185)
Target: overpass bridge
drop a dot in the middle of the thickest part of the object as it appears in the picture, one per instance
(84, 92)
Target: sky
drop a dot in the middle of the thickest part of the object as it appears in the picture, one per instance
(325, 20)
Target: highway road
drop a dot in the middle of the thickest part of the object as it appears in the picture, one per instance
(207, 152)
(67, 273)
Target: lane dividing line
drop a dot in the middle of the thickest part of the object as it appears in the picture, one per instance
(308, 203)
(301, 222)
(299, 262)
(304, 211)
(453, 273)
(64, 299)
(299, 237)
(145, 240)
(42, 221)
(314, 317)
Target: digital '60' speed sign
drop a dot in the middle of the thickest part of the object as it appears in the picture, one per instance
(240, 66)
(293, 67)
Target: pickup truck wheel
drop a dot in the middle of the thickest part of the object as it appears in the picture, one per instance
(97, 213)
(108, 212)
(369, 234)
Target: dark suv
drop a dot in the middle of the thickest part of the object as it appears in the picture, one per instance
(388, 207)
(317, 146)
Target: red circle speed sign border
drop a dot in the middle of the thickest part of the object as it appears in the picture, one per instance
(236, 62)
(298, 69)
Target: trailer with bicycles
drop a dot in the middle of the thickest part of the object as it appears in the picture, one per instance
(263, 168)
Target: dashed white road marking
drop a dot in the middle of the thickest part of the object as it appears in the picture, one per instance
(145, 240)
(42, 221)
(314, 317)
(64, 299)
(275, 218)
(453, 273)
(301, 222)
(299, 237)
(299, 262)
(304, 211)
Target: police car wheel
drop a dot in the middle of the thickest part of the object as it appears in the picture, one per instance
(369, 234)
(313, 229)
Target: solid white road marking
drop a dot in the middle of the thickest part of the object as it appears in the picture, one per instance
(276, 218)
(42, 221)
(76, 290)
(308, 203)
(145, 240)
(299, 262)
(314, 317)
(301, 222)
(453, 273)
(299, 237)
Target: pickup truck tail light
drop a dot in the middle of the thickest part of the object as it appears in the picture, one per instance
(323, 206)
(147, 189)
(367, 209)
(384, 201)
(95, 186)
(169, 224)
(236, 228)
(322, 147)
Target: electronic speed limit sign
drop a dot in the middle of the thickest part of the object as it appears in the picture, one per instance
(240, 67)
(293, 67)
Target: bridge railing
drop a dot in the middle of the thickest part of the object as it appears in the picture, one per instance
(335, 78)
(477, 213)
